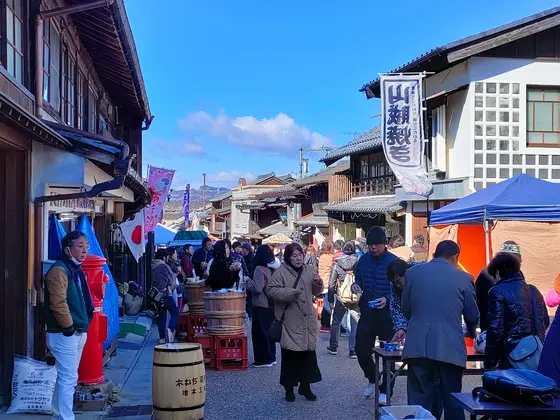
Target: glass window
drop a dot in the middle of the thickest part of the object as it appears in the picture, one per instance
(14, 37)
(92, 110)
(69, 89)
(51, 65)
(81, 101)
(543, 116)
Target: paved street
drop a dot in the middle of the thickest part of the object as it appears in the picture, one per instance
(252, 394)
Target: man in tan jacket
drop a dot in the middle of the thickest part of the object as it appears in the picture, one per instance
(68, 312)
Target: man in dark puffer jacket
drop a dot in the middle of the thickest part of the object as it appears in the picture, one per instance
(371, 278)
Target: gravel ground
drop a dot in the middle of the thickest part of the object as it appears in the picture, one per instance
(257, 394)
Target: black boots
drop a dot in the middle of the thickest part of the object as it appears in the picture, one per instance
(305, 390)
(290, 396)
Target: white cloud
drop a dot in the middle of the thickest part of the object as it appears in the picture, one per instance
(279, 135)
(230, 177)
(180, 148)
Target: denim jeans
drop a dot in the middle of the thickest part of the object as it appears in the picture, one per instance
(67, 351)
(168, 305)
(337, 316)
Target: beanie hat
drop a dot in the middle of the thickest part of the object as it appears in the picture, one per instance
(349, 248)
(376, 236)
(510, 247)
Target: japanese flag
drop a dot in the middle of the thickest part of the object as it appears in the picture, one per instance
(133, 232)
(318, 239)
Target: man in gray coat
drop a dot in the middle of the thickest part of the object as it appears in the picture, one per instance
(435, 297)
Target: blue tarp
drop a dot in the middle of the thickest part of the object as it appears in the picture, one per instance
(111, 300)
(163, 235)
(56, 233)
(522, 197)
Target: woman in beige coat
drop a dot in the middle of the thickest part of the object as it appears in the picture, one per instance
(299, 329)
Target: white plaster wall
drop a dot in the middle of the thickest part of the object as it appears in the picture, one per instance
(458, 135)
(50, 165)
(525, 72)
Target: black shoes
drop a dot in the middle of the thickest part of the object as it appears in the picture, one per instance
(290, 396)
(306, 392)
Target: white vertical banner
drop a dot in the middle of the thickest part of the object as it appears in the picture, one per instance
(403, 131)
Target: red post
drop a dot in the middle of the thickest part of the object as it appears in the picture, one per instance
(90, 371)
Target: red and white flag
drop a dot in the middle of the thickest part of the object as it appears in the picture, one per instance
(133, 232)
(318, 239)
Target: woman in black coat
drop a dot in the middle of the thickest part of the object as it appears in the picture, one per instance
(222, 274)
(510, 310)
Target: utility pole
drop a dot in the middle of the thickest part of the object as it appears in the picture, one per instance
(303, 167)
(203, 192)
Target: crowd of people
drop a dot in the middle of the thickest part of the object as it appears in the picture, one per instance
(386, 289)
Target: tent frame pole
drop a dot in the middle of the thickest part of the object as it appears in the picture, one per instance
(486, 237)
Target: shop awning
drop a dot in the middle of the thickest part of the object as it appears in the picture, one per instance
(522, 197)
(372, 204)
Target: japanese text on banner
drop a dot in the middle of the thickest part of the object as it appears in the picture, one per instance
(159, 182)
(402, 130)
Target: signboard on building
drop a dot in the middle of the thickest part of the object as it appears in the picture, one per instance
(403, 131)
(76, 205)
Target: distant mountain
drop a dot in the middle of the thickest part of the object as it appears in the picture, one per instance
(173, 209)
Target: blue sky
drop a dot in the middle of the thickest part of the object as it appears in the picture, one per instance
(238, 86)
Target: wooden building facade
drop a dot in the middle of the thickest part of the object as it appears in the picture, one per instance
(71, 125)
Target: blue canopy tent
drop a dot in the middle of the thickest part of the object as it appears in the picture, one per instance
(111, 300)
(56, 233)
(522, 197)
(519, 198)
(163, 234)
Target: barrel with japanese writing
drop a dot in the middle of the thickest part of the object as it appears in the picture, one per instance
(178, 382)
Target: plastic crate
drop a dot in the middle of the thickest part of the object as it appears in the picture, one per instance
(208, 346)
(232, 364)
(231, 347)
(320, 306)
(182, 324)
(196, 325)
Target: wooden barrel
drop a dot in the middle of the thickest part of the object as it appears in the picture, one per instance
(178, 382)
(196, 297)
(225, 312)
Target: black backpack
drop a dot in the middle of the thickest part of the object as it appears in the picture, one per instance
(517, 386)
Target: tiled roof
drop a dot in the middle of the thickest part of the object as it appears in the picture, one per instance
(220, 197)
(373, 204)
(298, 187)
(323, 176)
(277, 227)
(369, 140)
(313, 220)
(464, 42)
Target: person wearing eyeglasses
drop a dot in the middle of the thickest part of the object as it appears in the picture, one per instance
(68, 313)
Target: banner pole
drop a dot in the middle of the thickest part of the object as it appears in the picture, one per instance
(426, 142)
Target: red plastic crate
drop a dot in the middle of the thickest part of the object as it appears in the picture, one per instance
(182, 324)
(231, 347)
(195, 325)
(320, 306)
(232, 364)
(208, 345)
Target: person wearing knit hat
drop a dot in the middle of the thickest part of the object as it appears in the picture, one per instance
(375, 319)
(484, 282)
(345, 304)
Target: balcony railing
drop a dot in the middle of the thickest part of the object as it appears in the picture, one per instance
(374, 186)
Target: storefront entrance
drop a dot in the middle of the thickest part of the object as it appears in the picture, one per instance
(14, 187)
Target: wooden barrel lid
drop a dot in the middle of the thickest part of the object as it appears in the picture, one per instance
(177, 347)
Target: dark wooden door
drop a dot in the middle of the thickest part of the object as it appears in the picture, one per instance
(13, 263)
(419, 224)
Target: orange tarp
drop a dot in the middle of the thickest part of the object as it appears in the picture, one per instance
(471, 240)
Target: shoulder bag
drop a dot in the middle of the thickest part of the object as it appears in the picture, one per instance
(275, 331)
(527, 352)
(517, 386)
